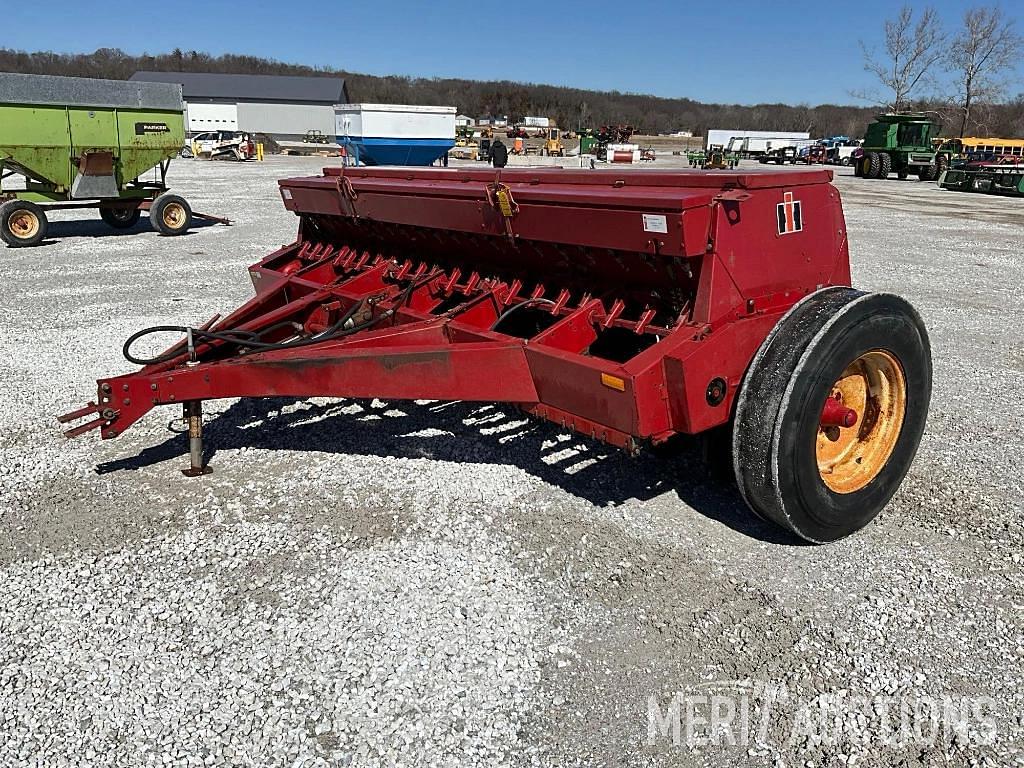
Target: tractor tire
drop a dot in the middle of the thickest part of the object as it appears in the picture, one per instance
(22, 224)
(928, 173)
(170, 215)
(825, 482)
(120, 218)
(884, 165)
(941, 165)
(870, 164)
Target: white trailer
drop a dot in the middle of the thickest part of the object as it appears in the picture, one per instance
(724, 138)
(752, 146)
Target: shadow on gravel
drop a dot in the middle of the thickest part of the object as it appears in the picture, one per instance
(476, 433)
(97, 228)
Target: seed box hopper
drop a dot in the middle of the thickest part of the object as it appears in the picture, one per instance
(629, 306)
(78, 142)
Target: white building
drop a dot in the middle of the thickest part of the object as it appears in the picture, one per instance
(283, 107)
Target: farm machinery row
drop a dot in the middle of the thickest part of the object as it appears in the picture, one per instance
(909, 144)
(628, 306)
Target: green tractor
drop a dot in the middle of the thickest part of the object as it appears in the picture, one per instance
(901, 144)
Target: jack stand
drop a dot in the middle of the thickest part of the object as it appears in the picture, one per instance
(194, 417)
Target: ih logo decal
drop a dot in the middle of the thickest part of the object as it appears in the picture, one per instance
(790, 216)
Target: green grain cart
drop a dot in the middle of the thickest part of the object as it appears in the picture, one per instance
(70, 142)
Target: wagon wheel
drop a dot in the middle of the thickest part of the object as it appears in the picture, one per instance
(120, 218)
(831, 412)
(22, 223)
(171, 214)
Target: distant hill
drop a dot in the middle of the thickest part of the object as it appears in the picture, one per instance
(570, 107)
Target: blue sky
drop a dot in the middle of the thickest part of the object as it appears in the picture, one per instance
(733, 52)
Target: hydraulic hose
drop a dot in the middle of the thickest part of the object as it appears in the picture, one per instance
(252, 340)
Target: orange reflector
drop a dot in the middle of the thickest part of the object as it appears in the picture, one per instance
(614, 382)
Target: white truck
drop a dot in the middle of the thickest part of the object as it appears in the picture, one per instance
(843, 155)
(752, 142)
(755, 146)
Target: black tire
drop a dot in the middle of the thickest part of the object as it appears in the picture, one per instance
(171, 215)
(870, 165)
(941, 165)
(928, 173)
(844, 161)
(22, 224)
(778, 411)
(884, 165)
(902, 174)
(186, 152)
(120, 218)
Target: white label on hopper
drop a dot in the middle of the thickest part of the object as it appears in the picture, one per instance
(654, 223)
(286, 194)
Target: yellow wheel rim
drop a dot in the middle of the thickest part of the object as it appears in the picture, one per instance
(23, 225)
(865, 166)
(173, 215)
(875, 387)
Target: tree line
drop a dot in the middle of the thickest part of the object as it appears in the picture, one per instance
(571, 108)
(971, 65)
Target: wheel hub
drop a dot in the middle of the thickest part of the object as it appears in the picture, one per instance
(861, 421)
(24, 224)
(173, 215)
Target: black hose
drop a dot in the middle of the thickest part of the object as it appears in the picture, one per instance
(520, 305)
(252, 340)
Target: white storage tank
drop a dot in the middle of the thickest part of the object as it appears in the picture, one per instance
(395, 134)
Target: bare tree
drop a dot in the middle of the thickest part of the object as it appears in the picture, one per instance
(912, 49)
(985, 48)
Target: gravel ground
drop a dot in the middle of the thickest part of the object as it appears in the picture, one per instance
(372, 583)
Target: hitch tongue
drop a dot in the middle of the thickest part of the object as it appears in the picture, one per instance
(105, 415)
(194, 417)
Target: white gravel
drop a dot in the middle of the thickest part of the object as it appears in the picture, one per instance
(377, 583)
(266, 643)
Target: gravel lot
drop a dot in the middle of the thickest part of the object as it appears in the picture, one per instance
(376, 583)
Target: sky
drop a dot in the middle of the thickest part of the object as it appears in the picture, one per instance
(740, 52)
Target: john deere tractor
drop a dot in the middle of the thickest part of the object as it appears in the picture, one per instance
(900, 144)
